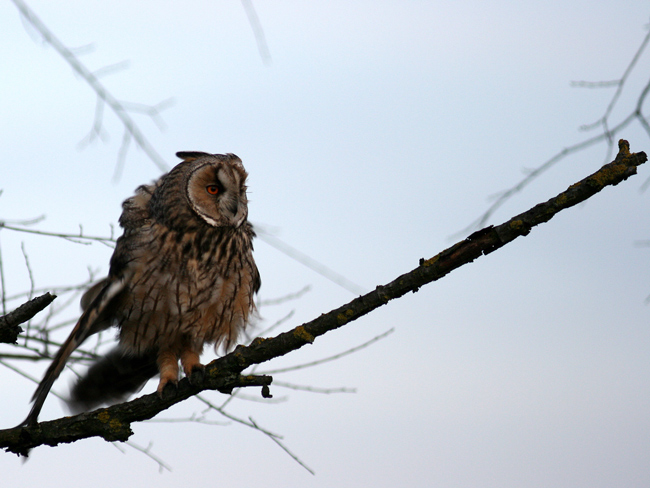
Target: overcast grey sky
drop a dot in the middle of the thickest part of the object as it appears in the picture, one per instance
(378, 131)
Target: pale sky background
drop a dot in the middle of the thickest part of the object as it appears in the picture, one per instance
(378, 131)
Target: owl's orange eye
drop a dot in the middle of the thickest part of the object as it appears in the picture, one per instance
(212, 189)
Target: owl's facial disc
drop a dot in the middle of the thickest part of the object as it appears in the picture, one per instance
(217, 193)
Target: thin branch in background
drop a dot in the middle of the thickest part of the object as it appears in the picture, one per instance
(608, 135)
(28, 376)
(97, 129)
(93, 81)
(258, 399)
(595, 84)
(200, 419)
(258, 31)
(251, 423)
(23, 222)
(619, 88)
(76, 238)
(146, 451)
(59, 290)
(233, 395)
(212, 406)
(112, 68)
(313, 389)
(153, 111)
(4, 286)
(277, 324)
(286, 449)
(29, 270)
(286, 298)
(332, 358)
(31, 281)
(311, 263)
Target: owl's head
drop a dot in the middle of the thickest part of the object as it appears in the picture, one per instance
(204, 188)
(215, 187)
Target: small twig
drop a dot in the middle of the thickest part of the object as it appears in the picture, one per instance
(31, 279)
(277, 324)
(212, 406)
(29, 270)
(257, 399)
(286, 449)
(76, 238)
(192, 418)
(596, 84)
(147, 451)
(332, 358)
(286, 298)
(313, 389)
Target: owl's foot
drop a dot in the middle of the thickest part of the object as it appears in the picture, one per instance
(166, 389)
(197, 374)
(168, 367)
(190, 361)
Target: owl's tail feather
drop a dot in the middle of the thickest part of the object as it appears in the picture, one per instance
(90, 322)
(112, 379)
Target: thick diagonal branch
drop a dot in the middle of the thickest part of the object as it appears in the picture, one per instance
(224, 374)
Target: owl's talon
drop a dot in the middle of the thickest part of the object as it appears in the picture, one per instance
(197, 375)
(167, 390)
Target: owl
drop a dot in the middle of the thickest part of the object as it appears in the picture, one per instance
(182, 276)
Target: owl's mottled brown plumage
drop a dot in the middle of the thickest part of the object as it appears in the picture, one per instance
(182, 276)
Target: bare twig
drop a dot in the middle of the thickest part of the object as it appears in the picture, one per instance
(147, 451)
(76, 238)
(332, 358)
(286, 449)
(285, 298)
(212, 406)
(608, 135)
(313, 389)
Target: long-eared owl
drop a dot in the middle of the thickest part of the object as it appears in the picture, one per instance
(182, 275)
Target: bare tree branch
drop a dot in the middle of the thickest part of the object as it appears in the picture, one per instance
(225, 374)
(103, 95)
(258, 32)
(9, 324)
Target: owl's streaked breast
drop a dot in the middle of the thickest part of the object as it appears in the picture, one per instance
(181, 291)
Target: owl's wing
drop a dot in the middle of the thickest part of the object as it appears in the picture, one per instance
(89, 323)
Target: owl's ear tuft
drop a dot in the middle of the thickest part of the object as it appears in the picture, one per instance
(188, 156)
